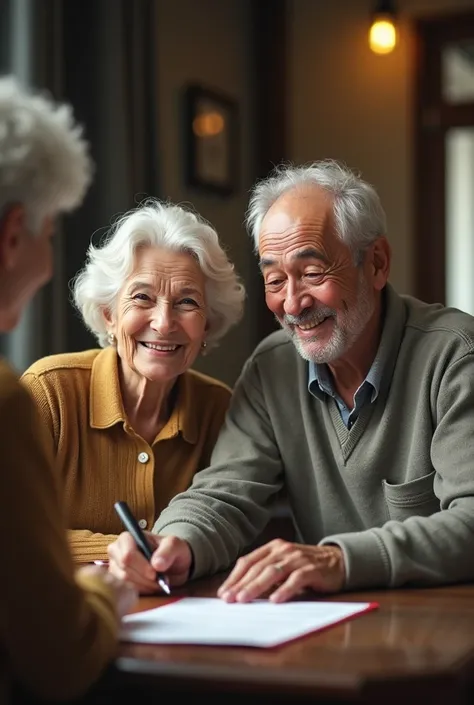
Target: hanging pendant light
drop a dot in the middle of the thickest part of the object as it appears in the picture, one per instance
(383, 30)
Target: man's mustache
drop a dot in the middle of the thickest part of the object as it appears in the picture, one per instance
(309, 317)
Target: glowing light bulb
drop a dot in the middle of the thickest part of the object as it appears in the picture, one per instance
(382, 35)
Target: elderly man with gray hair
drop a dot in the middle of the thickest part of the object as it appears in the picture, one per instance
(362, 408)
(59, 626)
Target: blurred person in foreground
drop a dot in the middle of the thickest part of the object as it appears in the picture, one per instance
(131, 420)
(58, 627)
(362, 407)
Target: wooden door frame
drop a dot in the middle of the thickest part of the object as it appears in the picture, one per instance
(269, 67)
(433, 119)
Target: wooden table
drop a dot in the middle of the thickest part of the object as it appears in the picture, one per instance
(418, 647)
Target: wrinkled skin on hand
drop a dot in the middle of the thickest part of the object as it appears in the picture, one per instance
(283, 570)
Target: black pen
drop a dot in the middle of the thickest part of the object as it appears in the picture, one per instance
(131, 525)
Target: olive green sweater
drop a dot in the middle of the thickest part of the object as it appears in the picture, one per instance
(395, 491)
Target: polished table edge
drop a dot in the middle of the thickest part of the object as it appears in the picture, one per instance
(453, 682)
(197, 677)
(241, 678)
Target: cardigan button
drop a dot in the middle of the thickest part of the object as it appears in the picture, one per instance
(143, 457)
(142, 523)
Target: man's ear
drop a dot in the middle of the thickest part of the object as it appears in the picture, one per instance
(12, 230)
(381, 258)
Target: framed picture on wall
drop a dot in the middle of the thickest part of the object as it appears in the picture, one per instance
(211, 140)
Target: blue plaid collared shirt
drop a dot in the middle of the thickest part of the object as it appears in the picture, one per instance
(320, 385)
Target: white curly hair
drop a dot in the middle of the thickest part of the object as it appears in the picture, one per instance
(358, 213)
(44, 160)
(172, 227)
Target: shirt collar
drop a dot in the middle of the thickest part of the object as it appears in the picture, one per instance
(106, 405)
(320, 383)
(183, 418)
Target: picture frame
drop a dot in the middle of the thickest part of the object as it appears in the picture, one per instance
(211, 140)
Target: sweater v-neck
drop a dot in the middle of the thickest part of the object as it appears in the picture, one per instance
(386, 358)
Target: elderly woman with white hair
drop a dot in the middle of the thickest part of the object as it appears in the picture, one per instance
(132, 421)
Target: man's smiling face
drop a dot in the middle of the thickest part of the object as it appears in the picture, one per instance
(312, 284)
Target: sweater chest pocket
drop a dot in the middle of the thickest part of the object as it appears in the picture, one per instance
(414, 498)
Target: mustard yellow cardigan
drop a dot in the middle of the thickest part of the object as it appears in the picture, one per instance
(99, 457)
(55, 638)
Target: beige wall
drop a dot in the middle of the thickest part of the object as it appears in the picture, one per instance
(205, 41)
(347, 103)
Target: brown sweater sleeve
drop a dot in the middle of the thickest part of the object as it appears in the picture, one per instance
(87, 546)
(57, 638)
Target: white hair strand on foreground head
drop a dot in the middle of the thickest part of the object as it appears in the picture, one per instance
(171, 227)
(44, 160)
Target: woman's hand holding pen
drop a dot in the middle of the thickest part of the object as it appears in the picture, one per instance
(171, 556)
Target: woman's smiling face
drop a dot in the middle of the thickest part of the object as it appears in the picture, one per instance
(160, 314)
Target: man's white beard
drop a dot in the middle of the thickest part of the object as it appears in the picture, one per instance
(348, 326)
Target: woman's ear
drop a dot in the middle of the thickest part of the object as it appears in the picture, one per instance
(108, 316)
(12, 230)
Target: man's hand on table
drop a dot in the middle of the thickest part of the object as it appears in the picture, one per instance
(284, 570)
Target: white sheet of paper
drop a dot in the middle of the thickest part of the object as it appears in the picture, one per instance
(200, 620)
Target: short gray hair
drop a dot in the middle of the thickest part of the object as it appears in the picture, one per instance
(358, 213)
(44, 161)
(173, 227)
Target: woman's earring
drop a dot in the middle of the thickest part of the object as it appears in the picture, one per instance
(203, 347)
(111, 339)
